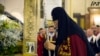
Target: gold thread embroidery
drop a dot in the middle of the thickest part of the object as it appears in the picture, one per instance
(65, 49)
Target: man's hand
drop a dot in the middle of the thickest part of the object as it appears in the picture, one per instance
(49, 46)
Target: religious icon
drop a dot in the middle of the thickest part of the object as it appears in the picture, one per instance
(30, 47)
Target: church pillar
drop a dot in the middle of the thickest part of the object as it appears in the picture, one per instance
(31, 25)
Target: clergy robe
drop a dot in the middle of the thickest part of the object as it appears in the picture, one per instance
(71, 40)
(72, 46)
(40, 45)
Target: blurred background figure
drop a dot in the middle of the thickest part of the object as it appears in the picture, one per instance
(95, 29)
(96, 32)
(92, 40)
(98, 39)
(52, 33)
(41, 40)
(89, 34)
(51, 36)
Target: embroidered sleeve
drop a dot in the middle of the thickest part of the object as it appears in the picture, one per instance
(65, 48)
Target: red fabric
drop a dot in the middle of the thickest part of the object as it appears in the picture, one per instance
(40, 45)
(78, 47)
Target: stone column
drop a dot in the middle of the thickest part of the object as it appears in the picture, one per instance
(31, 22)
